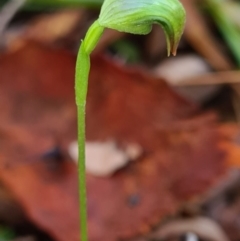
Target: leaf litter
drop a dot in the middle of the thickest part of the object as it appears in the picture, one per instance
(184, 151)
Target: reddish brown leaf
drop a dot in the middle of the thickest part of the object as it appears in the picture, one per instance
(231, 144)
(182, 158)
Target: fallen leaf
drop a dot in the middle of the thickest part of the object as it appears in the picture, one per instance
(231, 144)
(182, 157)
(50, 28)
(34, 96)
(105, 158)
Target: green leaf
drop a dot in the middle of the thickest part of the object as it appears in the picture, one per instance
(6, 234)
(41, 4)
(226, 25)
(137, 17)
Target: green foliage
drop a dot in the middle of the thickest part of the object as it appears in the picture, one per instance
(6, 234)
(131, 16)
(126, 50)
(55, 4)
(2, 2)
(224, 14)
(39, 4)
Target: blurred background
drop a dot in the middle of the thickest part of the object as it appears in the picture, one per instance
(163, 136)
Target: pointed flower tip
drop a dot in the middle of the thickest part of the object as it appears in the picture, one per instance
(171, 47)
(137, 17)
(174, 50)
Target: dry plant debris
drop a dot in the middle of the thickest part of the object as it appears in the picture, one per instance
(202, 227)
(51, 28)
(199, 36)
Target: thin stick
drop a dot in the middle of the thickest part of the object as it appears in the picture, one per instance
(8, 11)
(216, 78)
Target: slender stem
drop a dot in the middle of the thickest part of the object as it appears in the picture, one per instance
(81, 172)
(81, 84)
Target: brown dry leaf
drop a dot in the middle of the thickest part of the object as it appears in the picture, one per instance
(223, 205)
(49, 28)
(182, 158)
(231, 144)
(34, 96)
(199, 36)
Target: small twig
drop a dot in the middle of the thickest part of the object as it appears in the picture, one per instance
(8, 11)
(216, 78)
(236, 106)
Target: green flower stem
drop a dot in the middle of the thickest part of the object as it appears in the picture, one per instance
(81, 172)
(81, 84)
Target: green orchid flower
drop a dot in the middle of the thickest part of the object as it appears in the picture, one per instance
(130, 16)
